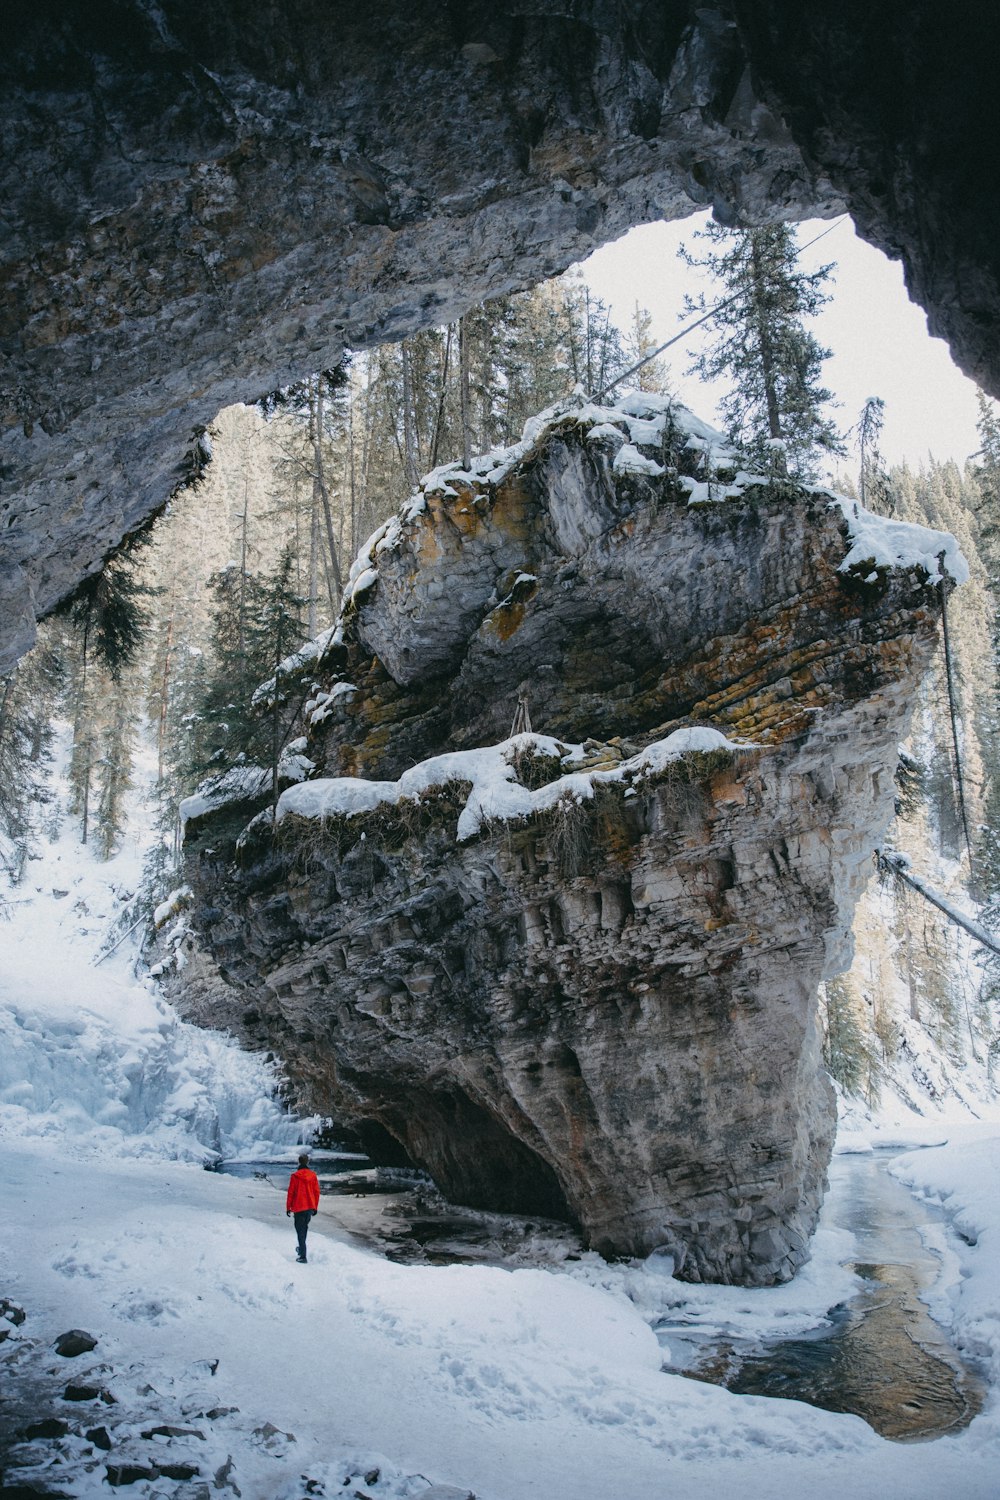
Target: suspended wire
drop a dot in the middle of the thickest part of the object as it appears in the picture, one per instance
(895, 864)
(716, 308)
(953, 713)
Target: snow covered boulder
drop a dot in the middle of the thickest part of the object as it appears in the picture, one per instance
(574, 971)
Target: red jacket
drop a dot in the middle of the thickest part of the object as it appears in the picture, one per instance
(303, 1191)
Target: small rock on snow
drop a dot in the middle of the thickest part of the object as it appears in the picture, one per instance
(118, 1474)
(75, 1341)
(12, 1312)
(166, 1431)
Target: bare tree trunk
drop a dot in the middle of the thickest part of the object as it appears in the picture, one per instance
(409, 445)
(463, 364)
(352, 472)
(313, 565)
(243, 567)
(77, 727)
(767, 359)
(439, 419)
(161, 729)
(8, 688)
(337, 591)
(953, 715)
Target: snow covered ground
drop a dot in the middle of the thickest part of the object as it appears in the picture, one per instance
(351, 1375)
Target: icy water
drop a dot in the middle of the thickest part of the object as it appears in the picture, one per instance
(880, 1356)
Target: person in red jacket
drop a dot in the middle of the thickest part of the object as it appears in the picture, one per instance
(302, 1202)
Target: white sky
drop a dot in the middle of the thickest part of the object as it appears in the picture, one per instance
(879, 338)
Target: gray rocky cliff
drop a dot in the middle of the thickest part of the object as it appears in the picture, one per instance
(580, 978)
(203, 203)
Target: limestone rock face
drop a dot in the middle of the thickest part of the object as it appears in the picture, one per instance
(585, 986)
(205, 203)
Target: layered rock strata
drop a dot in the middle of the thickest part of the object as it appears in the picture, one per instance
(580, 978)
(205, 203)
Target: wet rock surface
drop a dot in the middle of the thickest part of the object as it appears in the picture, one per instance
(603, 1011)
(200, 207)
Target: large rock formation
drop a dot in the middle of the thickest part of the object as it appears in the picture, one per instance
(582, 980)
(201, 203)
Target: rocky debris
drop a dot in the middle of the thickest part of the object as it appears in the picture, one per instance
(284, 213)
(10, 1310)
(74, 1343)
(49, 1427)
(82, 1393)
(579, 980)
(180, 1472)
(50, 1458)
(272, 1439)
(166, 1430)
(119, 1475)
(29, 1491)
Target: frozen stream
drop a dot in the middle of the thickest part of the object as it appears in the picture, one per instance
(879, 1356)
(882, 1356)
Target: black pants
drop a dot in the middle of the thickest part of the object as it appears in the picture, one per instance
(302, 1229)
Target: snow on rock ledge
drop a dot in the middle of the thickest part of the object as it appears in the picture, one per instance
(495, 795)
(575, 972)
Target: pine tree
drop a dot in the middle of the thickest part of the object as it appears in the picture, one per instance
(257, 623)
(762, 347)
(110, 615)
(873, 479)
(28, 698)
(639, 346)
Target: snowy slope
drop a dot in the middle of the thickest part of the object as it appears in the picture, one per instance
(89, 1052)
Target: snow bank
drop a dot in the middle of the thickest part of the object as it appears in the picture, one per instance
(244, 783)
(963, 1175)
(495, 794)
(883, 543)
(305, 656)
